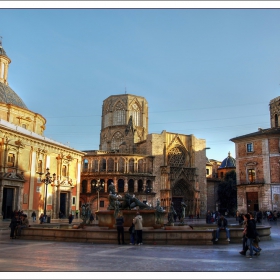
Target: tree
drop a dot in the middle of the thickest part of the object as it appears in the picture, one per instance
(227, 193)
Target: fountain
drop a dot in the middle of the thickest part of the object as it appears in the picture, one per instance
(129, 205)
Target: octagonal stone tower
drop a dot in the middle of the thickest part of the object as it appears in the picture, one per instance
(124, 123)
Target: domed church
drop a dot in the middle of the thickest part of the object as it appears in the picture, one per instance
(37, 174)
(227, 165)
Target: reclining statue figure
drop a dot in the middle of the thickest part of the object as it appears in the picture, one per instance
(128, 202)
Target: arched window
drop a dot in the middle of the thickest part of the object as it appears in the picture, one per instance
(84, 186)
(140, 166)
(117, 139)
(140, 186)
(103, 165)
(121, 165)
(131, 186)
(131, 165)
(119, 114)
(110, 166)
(120, 185)
(135, 113)
(85, 164)
(176, 157)
(96, 165)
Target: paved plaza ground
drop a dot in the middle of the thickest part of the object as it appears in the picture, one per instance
(107, 261)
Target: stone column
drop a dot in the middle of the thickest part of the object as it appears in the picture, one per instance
(125, 185)
(135, 186)
(58, 201)
(54, 201)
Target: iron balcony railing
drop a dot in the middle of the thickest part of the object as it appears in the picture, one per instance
(255, 182)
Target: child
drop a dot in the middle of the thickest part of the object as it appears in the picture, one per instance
(132, 234)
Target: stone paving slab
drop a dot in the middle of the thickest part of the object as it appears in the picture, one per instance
(157, 261)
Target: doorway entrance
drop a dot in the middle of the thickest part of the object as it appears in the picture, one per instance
(252, 201)
(177, 204)
(7, 206)
(63, 205)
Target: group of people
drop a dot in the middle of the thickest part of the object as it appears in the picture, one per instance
(259, 216)
(135, 230)
(19, 221)
(212, 217)
(250, 239)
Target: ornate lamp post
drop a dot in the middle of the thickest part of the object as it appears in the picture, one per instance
(47, 180)
(98, 188)
(148, 189)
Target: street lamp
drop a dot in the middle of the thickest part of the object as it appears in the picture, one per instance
(47, 180)
(148, 189)
(98, 188)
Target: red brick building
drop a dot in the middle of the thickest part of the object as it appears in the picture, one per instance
(258, 166)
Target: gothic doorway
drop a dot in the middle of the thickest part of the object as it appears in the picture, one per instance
(182, 192)
(7, 206)
(177, 203)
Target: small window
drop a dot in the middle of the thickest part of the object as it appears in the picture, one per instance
(251, 175)
(101, 203)
(207, 171)
(85, 164)
(64, 170)
(11, 160)
(73, 200)
(250, 147)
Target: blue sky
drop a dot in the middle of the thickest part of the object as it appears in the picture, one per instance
(206, 72)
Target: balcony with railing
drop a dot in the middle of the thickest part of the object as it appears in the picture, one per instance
(253, 182)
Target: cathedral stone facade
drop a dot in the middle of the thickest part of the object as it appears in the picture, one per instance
(166, 166)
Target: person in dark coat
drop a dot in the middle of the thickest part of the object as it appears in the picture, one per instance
(132, 234)
(251, 233)
(120, 228)
(14, 223)
(70, 218)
